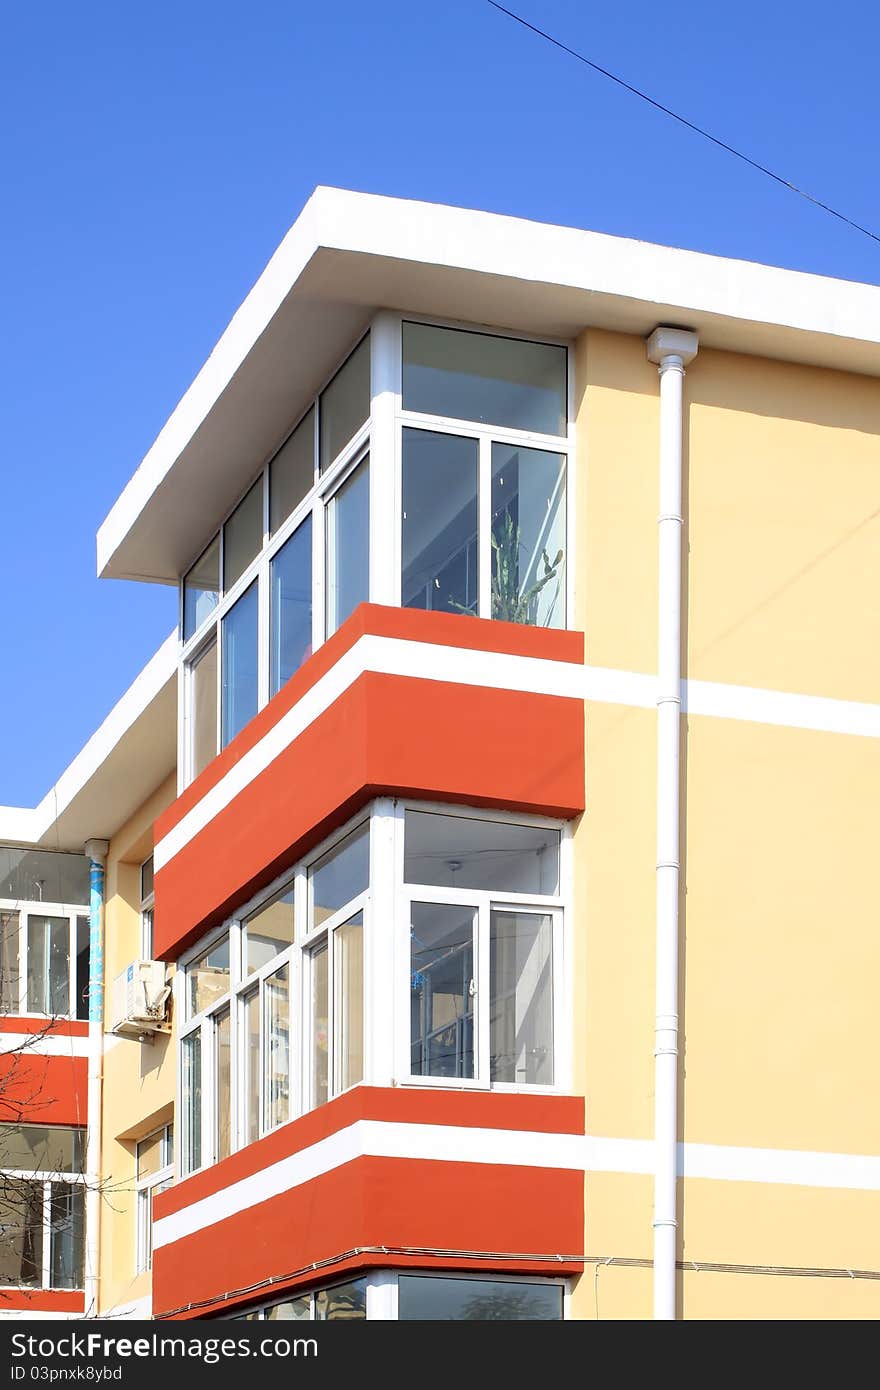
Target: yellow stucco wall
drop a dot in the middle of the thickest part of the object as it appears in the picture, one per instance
(138, 1091)
(780, 955)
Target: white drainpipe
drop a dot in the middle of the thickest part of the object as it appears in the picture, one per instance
(671, 349)
(96, 853)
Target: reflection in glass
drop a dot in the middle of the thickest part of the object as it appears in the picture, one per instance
(342, 1302)
(441, 990)
(345, 403)
(223, 1082)
(243, 535)
(239, 684)
(82, 967)
(201, 588)
(203, 675)
(251, 1020)
(276, 1055)
(439, 522)
(348, 547)
(42, 1148)
(319, 1024)
(484, 377)
(465, 852)
(207, 977)
(291, 606)
(9, 967)
(340, 875)
(348, 1050)
(66, 1236)
(428, 1298)
(521, 997)
(292, 472)
(191, 1086)
(528, 536)
(48, 965)
(268, 931)
(21, 1221)
(291, 1310)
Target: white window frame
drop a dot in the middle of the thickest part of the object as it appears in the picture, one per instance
(383, 1290)
(25, 911)
(47, 1178)
(146, 1189)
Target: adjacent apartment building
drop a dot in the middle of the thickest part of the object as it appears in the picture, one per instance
(470, 910)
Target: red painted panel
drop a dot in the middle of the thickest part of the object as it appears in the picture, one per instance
(385, 734)
(52, 1027)
(43, 1300)
(42, 1090)
(399, 1104)
(341, 1219)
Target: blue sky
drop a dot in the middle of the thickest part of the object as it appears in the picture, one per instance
(155, 155)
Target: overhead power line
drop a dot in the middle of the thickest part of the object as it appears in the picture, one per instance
(682, 120)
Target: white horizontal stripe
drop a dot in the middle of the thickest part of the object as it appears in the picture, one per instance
(501, 671)
(519, 1148)
(36, 1314)
(44, 1044)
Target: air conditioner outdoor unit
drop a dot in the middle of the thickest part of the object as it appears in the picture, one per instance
(139, 998)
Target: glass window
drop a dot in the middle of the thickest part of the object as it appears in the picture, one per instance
(21, 1233)
(207, 977)
(9, 967)
(66, 1236)
(239, 694)
(348, 1052)
(48, 968)
(203, 708)
(291, 606)
(268, 931)
(342, 1302)
(429, 1298)
(340, 875)
(201, 588)
(243, 535)
(147, 879)
(528, 536)
(191, 1088)
(292, 472)
(276, 1058)
(223, 1084)
(521, 997)
(464, 852)
(479, 376)
(82, 967)
(42, 1148)
(291, 1310)
(319, 1024)
(147, 908)
(154, 1159)
(28, 875)
(345, 404)
(442, 989)
(251, 1070)
(348, 547)
(439, 522)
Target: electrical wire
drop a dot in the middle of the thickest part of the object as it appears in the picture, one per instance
(682, 120)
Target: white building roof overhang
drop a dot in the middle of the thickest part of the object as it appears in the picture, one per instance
(349, 254)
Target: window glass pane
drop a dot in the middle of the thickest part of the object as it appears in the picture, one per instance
(268, 931)
(151, 1154)
(191, 1082)
(475, 1300)
(291, 606)
(9, 968)
(348, 1050)
(145, 1258)
(463, 852)
(47, 876)
(203, 712)
(207, 977)
(342, 1302)
(66, 1236)
(147, 879)
(239, 692)
(48, 965)
(340, 875)
(292, 472)
(441, 984)
(21, 1233)
(319, 960)
(201, 588)
(477, 376)
(276, 1057)
(348, 547)
(439, 522)
(345, 404)
(222, 1083)
(82, 967)
(42, 1148)
(243, 535)
(528, 536)
(147, 933)
(291, 1310)
(251, 1021)
(521, 997)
